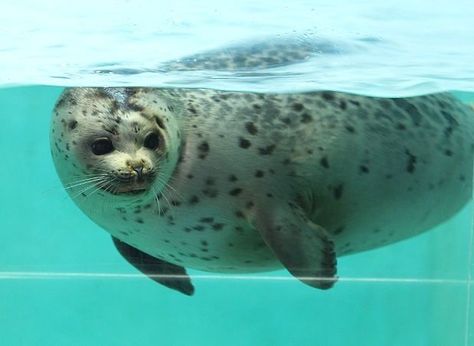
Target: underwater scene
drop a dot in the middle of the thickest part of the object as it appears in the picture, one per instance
(245, 173)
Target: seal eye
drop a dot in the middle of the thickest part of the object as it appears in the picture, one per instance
(102, 146)
(152, 141)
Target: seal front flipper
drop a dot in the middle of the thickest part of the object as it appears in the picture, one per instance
(301, 246)
(167, 274)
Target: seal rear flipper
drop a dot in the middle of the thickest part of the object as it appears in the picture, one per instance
(167, 274)
(301, 246)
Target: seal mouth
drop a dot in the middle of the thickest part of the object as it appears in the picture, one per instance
(129, 187)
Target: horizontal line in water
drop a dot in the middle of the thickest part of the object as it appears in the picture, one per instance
(78, 275)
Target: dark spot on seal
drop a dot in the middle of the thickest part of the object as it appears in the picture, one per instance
(297, 106)
(251, 128)
(232, 178)
(350, 128)
(235, 192)
(355, 103)
(268, 150)
(61, 102)
(339, 230)
(192, 109)
(451, 120)
(211, 193)
(327, 95)
(363, 169)
(204, 149)
(218, 226)
(244, 143)
(448, 152)
(338, 191)
(210, 181)
(72, 124)
(139, 220)
(306, 118)
(411, 162)
(134, 107)
(194, 200)
(409, 108)
(207, 220)
(259, 173)
(324, 162)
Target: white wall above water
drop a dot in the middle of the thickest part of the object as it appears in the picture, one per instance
(389, 48)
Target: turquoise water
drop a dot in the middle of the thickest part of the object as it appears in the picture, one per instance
(61, 280)
(58, 288)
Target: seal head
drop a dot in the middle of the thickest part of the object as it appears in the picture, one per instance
(126, 144)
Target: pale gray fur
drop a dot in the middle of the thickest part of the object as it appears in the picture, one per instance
(370, 171)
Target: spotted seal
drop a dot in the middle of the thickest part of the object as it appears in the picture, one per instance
(247, 182)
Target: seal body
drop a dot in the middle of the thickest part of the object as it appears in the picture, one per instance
(247, 182)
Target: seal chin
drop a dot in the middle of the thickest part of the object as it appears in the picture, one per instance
(132, 192)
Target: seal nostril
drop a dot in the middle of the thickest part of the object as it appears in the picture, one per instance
(139, 171)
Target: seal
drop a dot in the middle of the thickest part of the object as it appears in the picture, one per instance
(247, 182)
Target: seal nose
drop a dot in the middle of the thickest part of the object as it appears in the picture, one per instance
(137, 167)
(139, 170)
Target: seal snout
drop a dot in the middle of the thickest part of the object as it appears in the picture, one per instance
(136, 176)
(137, 169)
